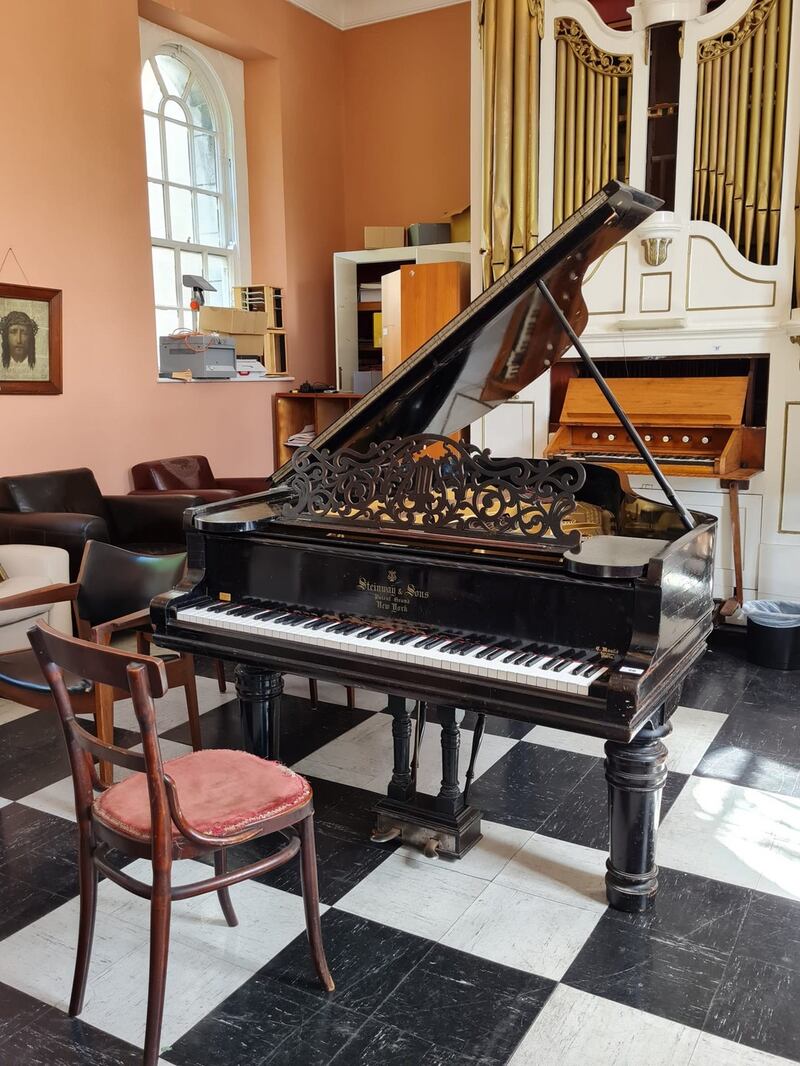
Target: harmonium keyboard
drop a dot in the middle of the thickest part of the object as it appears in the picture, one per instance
(392, 555)
(693, 426)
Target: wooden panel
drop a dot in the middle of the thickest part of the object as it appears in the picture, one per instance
(658, 401)
(508, 429)
(390, 312)
(790, 496)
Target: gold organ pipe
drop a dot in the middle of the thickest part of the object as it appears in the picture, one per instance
(754, 138)
(597, 170)
(765, 140)
(569, 125)
(580, 135)
(704, 148)
(589, 186)
(722, 134)
(628, 105)
(797, 235)
(713, 134)
(533, 139)
(698, 139)
(741, 141)
(561, 121)
(503, 133)
(779, 126)
(730, 156)
(606, 168)
(489, 49)
(615, 127)
(521, 131)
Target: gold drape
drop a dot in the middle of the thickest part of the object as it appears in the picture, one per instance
(511, 32)
(593, 128)
(740, 128)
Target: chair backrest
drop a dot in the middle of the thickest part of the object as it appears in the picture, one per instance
(115, 582)
(143, 677)
(179, 472)
(57, 491)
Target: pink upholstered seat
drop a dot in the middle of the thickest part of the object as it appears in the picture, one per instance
(221, 792)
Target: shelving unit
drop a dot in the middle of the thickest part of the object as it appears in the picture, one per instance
(293, 411)
(269, 299)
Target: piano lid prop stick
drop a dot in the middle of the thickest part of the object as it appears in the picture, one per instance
(602, 384)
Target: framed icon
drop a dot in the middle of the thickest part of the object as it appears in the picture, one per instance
(30, 340)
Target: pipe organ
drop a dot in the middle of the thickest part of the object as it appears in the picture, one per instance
(702, 108)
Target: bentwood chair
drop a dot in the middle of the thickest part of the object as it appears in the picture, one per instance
(198, 804)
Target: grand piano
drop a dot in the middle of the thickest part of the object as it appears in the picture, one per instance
(392, 554)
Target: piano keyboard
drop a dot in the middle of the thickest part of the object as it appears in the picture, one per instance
(626, 457)
(544, 666)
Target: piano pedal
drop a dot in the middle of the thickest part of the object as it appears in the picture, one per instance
(383, 836)
(431, 848)
(419, 824)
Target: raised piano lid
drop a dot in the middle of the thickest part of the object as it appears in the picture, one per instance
(503, 341)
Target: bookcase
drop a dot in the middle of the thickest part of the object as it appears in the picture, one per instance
(269, 299)
(293, 411)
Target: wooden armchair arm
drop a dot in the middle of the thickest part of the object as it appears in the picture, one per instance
(39, 597)
(102, 634)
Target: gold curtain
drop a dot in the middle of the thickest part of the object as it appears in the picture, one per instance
(796, 301)
(593, 118)
(511, 31)
(740, 128)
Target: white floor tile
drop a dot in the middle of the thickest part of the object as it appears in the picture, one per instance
(527, 932)
(577, 1029)
(57, 799)
(559, 871)
(170, 749)
(10, 711)
(693, 730)
(565, 740)
(4, 802)
(488, 857)
(362, 757)
(741, 835)
(420, 898)
(171, 708)
(714, 1051)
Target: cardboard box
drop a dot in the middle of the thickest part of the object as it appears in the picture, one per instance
(460, 226)
(232, 320)
(429, 233)
(249, 344)
(384, 237)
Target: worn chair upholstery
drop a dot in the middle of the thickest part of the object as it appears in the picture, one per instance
(65, 508)
(31, 566)
(191, 473)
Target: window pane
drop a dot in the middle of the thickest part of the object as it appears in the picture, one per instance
(164, 275)
(180, 210)
(152, 145)
(191, 263)
(177, 140)
(208, 220)
(158, 225)
(219, 276)
(151, 90)
(205, 161)
(174, 73)
(166, 321)
(172, 109)
(198, 106)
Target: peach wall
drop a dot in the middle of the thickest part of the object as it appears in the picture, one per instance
(406, 120)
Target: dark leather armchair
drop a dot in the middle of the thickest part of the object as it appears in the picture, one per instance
(191, 473)
(65, 508)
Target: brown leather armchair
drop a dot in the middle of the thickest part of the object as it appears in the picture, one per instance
(191, 473)
(65, 508)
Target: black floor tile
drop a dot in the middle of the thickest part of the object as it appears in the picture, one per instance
(21, 904)
(500, 727)
(380, 1044)
(16, 1008)
(776, 691)
(528, 783)
(771, 931)
(478, 1009)
(220, 727)
(32, 754)
(54, 1039)
(23, 829)
(647, 972)
(740, 754)
(756, 1004)
(317, 1041)
(719, 680)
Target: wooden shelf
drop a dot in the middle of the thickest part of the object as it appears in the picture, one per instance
(293, 411)
(372, 305)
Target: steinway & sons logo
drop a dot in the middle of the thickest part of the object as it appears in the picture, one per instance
(394, 596)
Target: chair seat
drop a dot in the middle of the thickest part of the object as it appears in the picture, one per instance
(21, 669)
(221, 792)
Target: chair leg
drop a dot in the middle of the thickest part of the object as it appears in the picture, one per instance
(308, 875)
(104, 725)
(219, 666)
(351, 697)
(87, 873)
(160, 904)
(221, 867)
(313, 692)
(190, 688)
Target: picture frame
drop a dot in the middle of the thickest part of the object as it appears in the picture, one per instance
(30, 340)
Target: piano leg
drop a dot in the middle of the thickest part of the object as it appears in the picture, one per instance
(401, 787)
(636, 774)
(259, 693)
(450, 800)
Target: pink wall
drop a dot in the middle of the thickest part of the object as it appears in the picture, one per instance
(74, 205)
(406, 120)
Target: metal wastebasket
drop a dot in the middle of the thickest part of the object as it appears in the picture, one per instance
(773, 633)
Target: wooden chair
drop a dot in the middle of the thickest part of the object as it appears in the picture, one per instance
(168, 812)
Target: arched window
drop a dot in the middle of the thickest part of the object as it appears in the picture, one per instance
(190, 185)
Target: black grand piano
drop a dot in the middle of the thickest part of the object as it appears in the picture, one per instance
(393, 555)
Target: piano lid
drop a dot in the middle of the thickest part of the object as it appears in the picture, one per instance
(502, 342)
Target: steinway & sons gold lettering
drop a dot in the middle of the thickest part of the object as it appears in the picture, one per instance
(392, 596)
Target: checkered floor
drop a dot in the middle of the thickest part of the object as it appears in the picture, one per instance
(509, 956)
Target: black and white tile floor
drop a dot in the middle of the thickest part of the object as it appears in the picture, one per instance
(509, 956)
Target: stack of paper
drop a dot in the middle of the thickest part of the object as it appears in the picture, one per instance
(305, 436)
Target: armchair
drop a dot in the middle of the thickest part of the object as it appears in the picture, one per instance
(65, 508)
(29, 567)
(190, 473)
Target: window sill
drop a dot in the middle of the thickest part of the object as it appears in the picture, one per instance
(239, 380)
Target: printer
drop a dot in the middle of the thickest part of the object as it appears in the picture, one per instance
(206, 355)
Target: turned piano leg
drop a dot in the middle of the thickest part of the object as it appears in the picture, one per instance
(636, 774)
(259, 693)
(401, 786)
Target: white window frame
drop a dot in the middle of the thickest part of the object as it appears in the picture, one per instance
(222, 78)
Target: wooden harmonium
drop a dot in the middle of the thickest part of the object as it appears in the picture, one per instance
(693, 426)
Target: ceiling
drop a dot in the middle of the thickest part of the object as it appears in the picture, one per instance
(345, 14)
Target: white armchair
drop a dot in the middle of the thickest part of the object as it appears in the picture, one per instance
(31, 566)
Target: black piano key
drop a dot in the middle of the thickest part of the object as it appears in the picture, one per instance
(218, 608)
(406, 638)
(374, 633)
(494, 654)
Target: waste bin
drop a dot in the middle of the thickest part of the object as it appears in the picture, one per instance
(773, 633)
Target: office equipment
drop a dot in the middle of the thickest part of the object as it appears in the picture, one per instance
(207, 356)
(389, 555)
